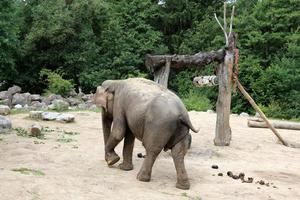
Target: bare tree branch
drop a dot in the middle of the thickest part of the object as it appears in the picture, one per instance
(224, 19)
(225, 34)
(231, 21)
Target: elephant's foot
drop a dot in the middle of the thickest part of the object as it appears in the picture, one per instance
(111, 158)
(126, 166)
(183, 184)
(143, 177)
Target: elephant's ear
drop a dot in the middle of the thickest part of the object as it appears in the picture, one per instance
(100, 98)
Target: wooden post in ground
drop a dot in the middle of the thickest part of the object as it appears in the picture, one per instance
(223, 130)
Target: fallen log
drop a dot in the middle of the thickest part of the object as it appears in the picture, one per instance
(276, 124)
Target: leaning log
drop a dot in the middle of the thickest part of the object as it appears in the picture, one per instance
(155, 62)
(276, 124)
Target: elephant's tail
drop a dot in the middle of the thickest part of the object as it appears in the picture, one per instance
(186, 121)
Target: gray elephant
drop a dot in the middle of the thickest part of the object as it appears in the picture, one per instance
(142, 109)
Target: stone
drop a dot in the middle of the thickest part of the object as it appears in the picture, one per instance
(87, 97)
(244, 114)
(210, 111)
(74, 101)
(49, 99)
(82, 106)
(5, 124)
(18, 106)
(50, 116)
(35, 114)
(35, 97)
(14, 89)
(65, 117)
(4, 110)
(72, 93)
(234, 115)
(21, 98)
(35, 130)
(3, 95)
(36, 105)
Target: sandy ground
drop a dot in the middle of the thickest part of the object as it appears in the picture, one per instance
(77, 170)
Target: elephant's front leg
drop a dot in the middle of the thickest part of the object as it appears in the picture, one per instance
(117, 134)
(127, 151)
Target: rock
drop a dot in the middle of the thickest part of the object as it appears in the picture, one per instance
(35, 130)
(82, 106)
(257, 115)
(21, 99)
(35, 114)
(210, 111)
(140, 155)
(220, 174)
(18, 106)
(4, 110)
(234, 115)
(65, 117)
(49, 99)
(36, 105)
(60, 105)
(229, 173)
(35, 97)
(72, 93)
(14, 89)
(74, 101)
(243, 114)
(5, 124)
(87, 97)
(50, 116)
(242, 175)
(3, 95)
(93, 107)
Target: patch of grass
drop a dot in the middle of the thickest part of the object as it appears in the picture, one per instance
(1, 139)
(71, 133)
(18, 111)
(38, 142)
(184, 194)
(24, 133)
(28, 171)
(64, 139)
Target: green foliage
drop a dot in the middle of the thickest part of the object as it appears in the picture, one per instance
(197, 101)
(56, 84)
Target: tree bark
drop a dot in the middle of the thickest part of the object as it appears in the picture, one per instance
(276, 124)
(223, 130)
(155, 62)
(161, 76)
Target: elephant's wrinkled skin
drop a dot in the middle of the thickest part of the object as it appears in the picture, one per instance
(140, 108)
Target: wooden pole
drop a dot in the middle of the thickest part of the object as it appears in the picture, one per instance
(262, 115)
(161, 76)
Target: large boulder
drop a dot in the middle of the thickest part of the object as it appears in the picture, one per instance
(74, 101)
(49, 99)
(87, 97)
(21, 98)
(36, 105)
(50, 116)
(35, 97)
(61, 117)
(4, 110)
(5, 124)
(14, 89)
(3, 95)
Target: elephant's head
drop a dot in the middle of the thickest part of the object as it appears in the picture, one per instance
(104, 95)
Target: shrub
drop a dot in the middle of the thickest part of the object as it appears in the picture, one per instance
(196, 101)
(56, 83)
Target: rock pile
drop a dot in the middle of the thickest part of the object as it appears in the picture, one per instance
(13, 98)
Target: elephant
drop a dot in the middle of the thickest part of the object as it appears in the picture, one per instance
(140, 108)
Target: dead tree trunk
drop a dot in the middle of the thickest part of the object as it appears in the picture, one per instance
(161, 76)
(223, 130)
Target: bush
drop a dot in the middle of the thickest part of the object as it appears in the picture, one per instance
(196, 101)
(56, 83)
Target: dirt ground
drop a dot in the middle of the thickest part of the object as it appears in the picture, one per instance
(73, 167)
